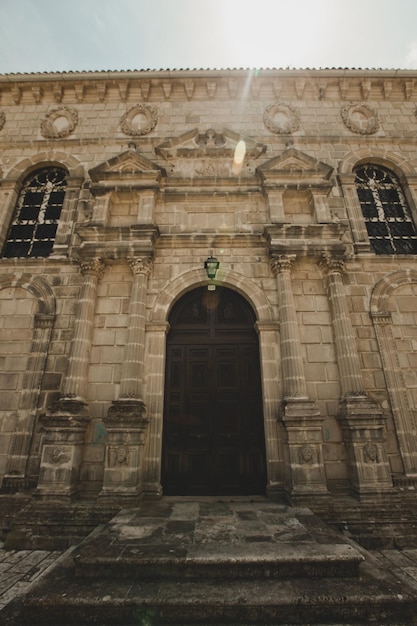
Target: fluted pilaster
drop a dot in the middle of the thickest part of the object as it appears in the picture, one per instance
(75, 383)
(347, 355)
(132, 370)
(292, 363)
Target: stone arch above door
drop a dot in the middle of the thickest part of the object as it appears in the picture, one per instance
(196, 278)
(267, 326)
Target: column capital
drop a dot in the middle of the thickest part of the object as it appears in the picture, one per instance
(95, 267)
(282, 263)
(332, 264)
(140, 265)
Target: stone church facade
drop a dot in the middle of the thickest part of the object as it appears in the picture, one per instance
(208, 284)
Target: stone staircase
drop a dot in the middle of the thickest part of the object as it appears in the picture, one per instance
(27, 523)
(209, 562)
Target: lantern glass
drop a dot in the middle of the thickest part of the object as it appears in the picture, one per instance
(211, 266)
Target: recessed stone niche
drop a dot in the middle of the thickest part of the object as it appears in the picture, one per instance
(299, 207)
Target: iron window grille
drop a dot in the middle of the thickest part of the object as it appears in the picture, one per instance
(38, 209)
(388, 219)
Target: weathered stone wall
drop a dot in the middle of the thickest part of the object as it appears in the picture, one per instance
(156, 149)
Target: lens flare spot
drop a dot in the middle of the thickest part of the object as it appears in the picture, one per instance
(239, 157)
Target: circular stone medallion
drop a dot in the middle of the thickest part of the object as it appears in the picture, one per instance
(139, 120)
(281, 119)
(360, 118)
(59, 123)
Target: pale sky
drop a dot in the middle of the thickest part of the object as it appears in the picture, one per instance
(65, 35)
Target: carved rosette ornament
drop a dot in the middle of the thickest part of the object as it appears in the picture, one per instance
(360, 118)
(139, 120)
(59, 123)
(2, 119)
(281, 119)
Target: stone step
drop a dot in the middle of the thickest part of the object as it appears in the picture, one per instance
(219, 560)
(208, 540)
(353, 602)
(177, 562)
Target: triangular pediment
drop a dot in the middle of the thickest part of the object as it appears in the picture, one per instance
(196, 145)
(126, 167)
(294, 165)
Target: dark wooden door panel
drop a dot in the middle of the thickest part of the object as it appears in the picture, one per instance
(213, 441)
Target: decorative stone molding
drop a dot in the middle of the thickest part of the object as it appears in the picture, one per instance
(282, 263)
(140, 265)
(360, 118)
(94, 266)
(221, 145)
(371, 453)
(2, 119)
(139, 120)
(59, 123)
(306, 455)
(281, 119)
(330, 264)
(210, 139)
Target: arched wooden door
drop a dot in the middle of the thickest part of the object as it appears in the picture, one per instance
(213, 436)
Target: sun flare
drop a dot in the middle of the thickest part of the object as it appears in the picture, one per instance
(273, 33)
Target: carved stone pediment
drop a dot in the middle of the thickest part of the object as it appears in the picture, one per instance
(295, 168)
(128, 169)
(210, 155)
(196, 145)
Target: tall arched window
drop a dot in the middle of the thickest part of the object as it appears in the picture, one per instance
(387, 216)
(35, 221)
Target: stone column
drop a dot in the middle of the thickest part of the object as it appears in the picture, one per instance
(75, 382)
(291, 360)
(132, 370)
(347, 356)
(300, 415)
(126, 422)
(361, 418)
(274, 435)
(65, 423)
(156, 351)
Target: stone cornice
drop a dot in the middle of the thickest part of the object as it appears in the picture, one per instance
(174, 187)
(209, 241)
(309, 240)
(206, 73)
(328, 84)
(115, 242)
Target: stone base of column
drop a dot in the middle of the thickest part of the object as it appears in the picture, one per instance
(152, 491)
(303, 424)
(126, 425)
(363, 425)
(18, 456)
(65, 426)
(277, 492)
